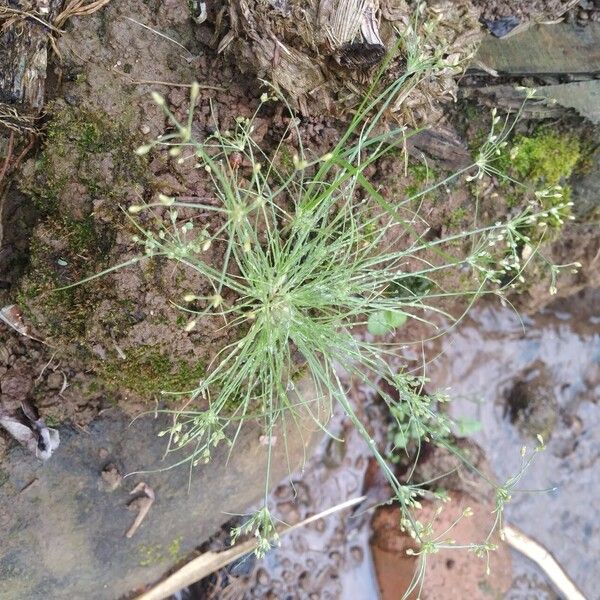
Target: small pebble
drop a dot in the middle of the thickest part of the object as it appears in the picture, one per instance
(262, 577)
(54, 380)
(357, 554)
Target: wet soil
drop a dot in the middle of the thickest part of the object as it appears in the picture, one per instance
(521, 376)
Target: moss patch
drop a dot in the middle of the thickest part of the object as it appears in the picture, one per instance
(148, 370)
(83, 146)
(545, 158)
(87, 156)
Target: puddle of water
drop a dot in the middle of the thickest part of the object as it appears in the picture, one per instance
(331, 558)
(517, 375)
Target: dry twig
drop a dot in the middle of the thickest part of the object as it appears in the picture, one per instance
(78, 8)
(142, 504)
(539, 555)
(209, 562)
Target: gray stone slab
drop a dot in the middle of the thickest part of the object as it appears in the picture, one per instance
(544, 49)
(583, 96)
(63, 534)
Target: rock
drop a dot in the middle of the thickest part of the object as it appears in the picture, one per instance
(501, 27)
(65, 524)
(543, 50)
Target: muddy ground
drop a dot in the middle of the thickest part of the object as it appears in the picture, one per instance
(116, 342)
(85, 173)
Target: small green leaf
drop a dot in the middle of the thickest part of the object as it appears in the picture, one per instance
(382, 322)
(401, 440)
(468, 426)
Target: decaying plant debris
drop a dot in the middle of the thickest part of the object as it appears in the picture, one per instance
(30, 430)
(322, 53)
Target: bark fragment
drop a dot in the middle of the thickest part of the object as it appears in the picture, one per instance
(324, 53)
(24, 34)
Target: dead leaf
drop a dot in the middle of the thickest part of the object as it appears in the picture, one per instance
(13, 317)
(31, 431)
(142, 504)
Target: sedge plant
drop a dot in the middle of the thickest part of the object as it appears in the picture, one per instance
(312, 256)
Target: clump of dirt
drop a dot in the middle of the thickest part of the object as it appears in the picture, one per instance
(532, 405)
(447, 569)
(525, 11)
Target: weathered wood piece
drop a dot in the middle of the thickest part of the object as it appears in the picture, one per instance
(443, 146)
(544, 50)
(324, 53)
(510, 98)
(25, 28)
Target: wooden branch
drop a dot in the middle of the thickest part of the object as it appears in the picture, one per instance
(210, 562)
(539, 555)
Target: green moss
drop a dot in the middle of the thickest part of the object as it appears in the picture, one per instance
(456, 217)
(95, 152)
(51, 420)
(45, 186)
(420, 177)
(148, 370)
(420, 172)
(85, 130)
(75, 249)
(545, 158)
(83, 235)
(65, 312)
(284, 161)
(157, 553)
(174, 549)
(150, 555)
(77, 141)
